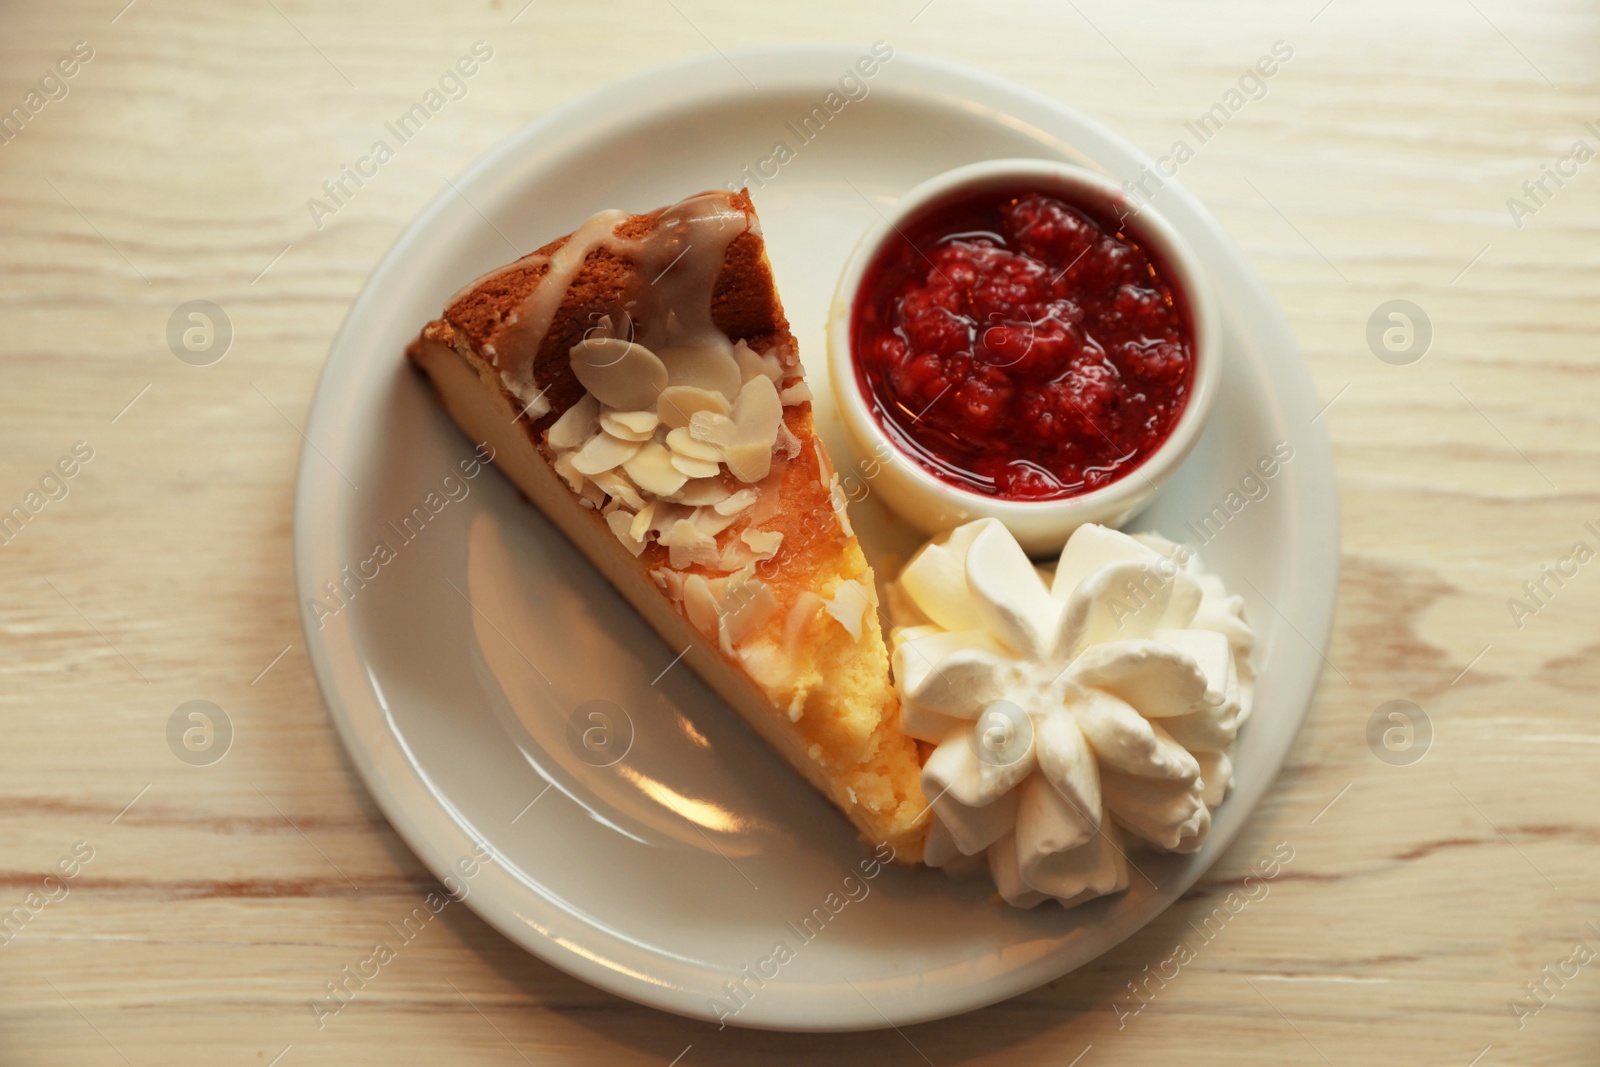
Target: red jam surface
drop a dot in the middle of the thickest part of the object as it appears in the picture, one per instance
(1020, 346)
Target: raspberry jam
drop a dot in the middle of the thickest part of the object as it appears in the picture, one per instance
(1023, 347)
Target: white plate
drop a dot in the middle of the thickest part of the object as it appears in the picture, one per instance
(662, 876)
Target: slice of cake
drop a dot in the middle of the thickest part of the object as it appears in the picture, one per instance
(637, 380)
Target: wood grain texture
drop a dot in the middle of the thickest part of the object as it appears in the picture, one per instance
(1377, 166)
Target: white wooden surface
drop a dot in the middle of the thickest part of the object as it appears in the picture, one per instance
(1376, 166)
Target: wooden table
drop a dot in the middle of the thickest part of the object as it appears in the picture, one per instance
(207, 904)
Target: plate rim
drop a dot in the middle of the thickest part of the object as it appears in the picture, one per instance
(428, 829)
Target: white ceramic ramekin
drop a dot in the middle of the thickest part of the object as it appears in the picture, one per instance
(1042, 527)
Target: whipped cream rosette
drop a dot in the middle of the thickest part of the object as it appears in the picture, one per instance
(1067, 707)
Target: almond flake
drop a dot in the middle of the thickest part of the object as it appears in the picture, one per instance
(848, 606)
(620, 374)
(575, 424)
(696, 468)
(701, 603)
(824, 464)
(712, 427)
(798, 393)
(746, 607)
(788, 443)
(569, 474)
(679, 403)
(535, 405)
(784, 353)
(701, 491)
(629, 425)
(836, 496)
(703, 366)
(764, 543)
(640, 527)
(738, 502)
(670, 582)
(709, 522)
(602, 452)
(735, 555)
(688, 545)
(619, 488)
(682, 442)
(651, 470)
(621, 522)
(752, 364)
(757, 414)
